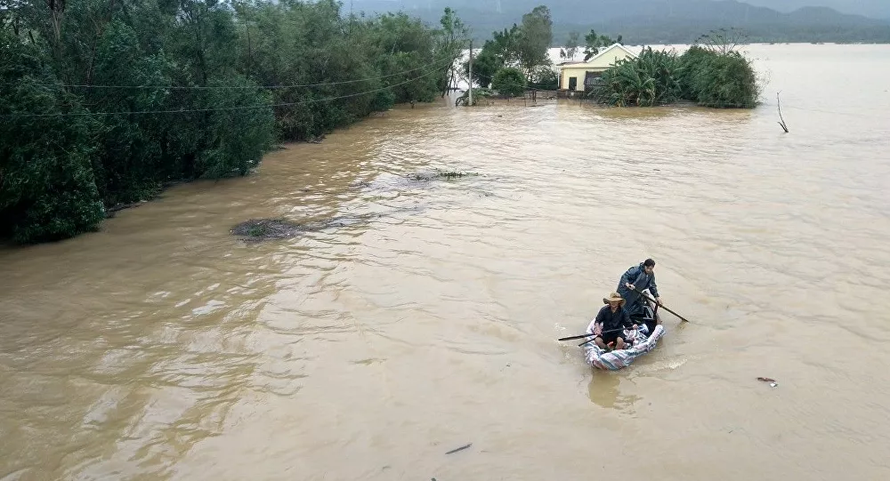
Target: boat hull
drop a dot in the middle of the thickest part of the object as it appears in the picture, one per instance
(619, 359)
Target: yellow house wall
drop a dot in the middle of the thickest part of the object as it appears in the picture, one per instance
(599, 64)
(580, 72)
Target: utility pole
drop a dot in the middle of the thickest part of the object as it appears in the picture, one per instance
(471, 72)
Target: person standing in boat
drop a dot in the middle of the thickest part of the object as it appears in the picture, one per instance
(612, 319)
(637, 279)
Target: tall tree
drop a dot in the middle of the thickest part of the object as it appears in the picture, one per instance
(450, 41)
(535, 38)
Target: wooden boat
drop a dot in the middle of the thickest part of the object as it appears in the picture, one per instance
(642, 341)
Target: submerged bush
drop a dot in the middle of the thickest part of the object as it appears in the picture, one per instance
(724, 81)
(509, 82)
(478, 94)
(707, 77)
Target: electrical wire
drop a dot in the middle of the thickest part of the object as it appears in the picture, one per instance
(241, 87)
(222, 109)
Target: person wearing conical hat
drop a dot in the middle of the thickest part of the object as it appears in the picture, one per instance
(613, 319)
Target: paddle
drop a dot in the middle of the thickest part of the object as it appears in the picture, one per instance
(570, 338)
(658, 305)
(588, 335)
(604, 332)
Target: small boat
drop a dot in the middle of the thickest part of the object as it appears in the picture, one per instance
(643, 341)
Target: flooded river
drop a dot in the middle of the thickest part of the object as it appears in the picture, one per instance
(163, 347)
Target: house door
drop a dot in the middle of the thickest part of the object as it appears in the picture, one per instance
(573, 82)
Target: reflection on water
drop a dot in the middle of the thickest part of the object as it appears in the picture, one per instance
(605, 391)
(162, 347)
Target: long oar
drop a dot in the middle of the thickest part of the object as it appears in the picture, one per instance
(570, 338)
(587, 335)
(604, 332)
(659, 305)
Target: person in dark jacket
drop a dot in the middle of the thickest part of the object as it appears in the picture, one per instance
(613, 319)
(637, 279)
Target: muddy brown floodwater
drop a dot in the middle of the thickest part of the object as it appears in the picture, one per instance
(163, 347)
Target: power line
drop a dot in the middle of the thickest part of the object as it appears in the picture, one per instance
(223, 87)
(222, 109)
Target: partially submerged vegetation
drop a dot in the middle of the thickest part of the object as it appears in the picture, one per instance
(711, 73)
(266, 229)
(255, 230)
(270, 229)
(102, 103)
(478, 95)
(440, 175)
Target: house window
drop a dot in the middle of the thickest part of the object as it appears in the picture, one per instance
(573, 83)
(591, 79)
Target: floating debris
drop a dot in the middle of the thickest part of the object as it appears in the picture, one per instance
(459, 449)
(360, 184)
(772, 382)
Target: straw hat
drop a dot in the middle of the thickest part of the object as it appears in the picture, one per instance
(614, 297)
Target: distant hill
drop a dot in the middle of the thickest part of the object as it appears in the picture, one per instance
(652, 21)
(869, 8)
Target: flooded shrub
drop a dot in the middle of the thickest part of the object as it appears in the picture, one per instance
(509, 82)
(722, 80)
(478, 94)
(711, 78)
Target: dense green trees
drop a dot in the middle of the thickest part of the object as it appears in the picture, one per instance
(105, 101)
(522, 47)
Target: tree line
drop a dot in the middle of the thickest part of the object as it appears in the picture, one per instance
(103, 102)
